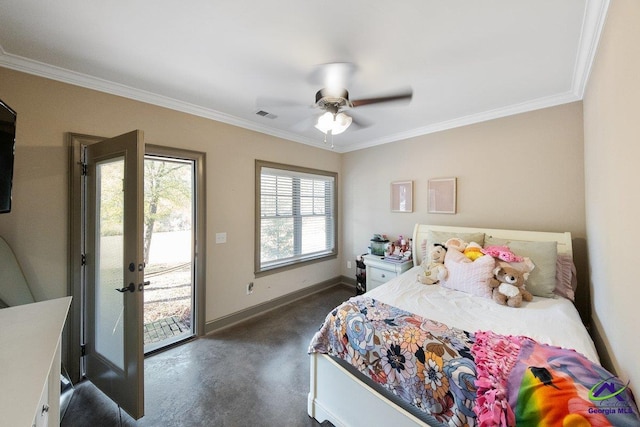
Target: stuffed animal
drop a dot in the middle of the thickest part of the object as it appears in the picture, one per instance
(502, 253)
(433, 269)
(456, 243)
(508, 286)
(473, 251)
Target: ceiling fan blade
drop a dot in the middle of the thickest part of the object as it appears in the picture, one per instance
(334, 75)
(400, 96)
(358, 121)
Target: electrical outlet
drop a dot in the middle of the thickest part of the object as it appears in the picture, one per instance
(249, 288)
(349, 264)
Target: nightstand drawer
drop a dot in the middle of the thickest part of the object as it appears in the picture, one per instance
(383, 276)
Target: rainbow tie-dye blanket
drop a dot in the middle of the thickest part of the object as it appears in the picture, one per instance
(525, 383)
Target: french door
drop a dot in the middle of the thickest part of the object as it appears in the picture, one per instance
(107, 258)
(114, 269)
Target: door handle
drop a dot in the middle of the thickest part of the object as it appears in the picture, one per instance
(130, 288)
(143, 284)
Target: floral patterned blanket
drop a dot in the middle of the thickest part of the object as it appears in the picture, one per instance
(426, 363)
(459, 378)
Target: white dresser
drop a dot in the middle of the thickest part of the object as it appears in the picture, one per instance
(30, 337)
(380, 271)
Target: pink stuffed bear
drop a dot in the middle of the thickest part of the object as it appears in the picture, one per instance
(502, 253)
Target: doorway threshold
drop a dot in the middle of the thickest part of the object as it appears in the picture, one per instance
(165, 332)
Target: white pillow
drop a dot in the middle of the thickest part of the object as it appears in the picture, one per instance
(468, 276)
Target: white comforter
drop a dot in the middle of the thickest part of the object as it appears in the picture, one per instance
(552, 321)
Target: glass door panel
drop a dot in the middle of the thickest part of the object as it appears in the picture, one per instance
(109, 305)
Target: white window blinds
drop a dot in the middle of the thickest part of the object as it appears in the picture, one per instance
(296, 215)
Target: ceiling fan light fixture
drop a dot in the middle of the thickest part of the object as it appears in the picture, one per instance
(336, 124)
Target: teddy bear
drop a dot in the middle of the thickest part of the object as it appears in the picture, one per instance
(433, 269)
(508, 286)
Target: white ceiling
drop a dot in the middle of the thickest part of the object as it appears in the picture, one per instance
(466, 61)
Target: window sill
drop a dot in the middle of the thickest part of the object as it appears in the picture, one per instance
(293, 264)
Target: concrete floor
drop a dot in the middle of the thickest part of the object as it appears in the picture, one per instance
(252, 374)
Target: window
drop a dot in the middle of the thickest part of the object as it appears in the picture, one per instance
(295, 215)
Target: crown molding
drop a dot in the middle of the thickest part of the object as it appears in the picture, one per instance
(40, 69)
(523, 107)
(595, 15)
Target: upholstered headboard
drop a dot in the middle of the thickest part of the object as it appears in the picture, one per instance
(421, 230)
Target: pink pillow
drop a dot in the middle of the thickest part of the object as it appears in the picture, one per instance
(566, 281)
(468, 276)
(501, 252)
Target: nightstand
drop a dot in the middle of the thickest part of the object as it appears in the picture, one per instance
(380, 271)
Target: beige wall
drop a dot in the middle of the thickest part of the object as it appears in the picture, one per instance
(612, 151)
(520, 172)
(37, 227)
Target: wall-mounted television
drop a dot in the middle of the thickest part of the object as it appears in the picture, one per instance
(7, 153)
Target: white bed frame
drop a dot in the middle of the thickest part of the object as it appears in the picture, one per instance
(339, 397)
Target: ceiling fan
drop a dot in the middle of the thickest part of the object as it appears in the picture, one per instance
(333, 100)
(334, 97)
(336, 121)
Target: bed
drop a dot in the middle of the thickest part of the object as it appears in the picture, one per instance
(549, 326)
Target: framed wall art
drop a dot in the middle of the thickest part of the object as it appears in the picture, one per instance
(402, 196)
(442, 196)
